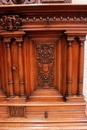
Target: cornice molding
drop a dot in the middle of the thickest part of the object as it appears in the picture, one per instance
(43, 8)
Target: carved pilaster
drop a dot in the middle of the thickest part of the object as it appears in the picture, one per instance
(81, 66)
(69, 67)
(9, 64)
(21, 73)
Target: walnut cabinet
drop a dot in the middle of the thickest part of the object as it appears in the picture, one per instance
(41, 66)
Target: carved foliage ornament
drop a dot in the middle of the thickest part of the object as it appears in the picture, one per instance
(11, 22)
(10, 2)
(45, 62)
(17, 111)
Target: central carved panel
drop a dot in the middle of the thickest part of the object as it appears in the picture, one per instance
(45, 62)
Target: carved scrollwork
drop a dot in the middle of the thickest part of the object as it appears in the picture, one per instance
(56, 1)
(10, 2)
(11, 22)
(17, 111)
(45, 63)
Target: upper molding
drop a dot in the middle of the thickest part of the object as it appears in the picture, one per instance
(11, 2)
(43, 8)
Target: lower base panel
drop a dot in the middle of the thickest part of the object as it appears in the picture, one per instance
(43, 116)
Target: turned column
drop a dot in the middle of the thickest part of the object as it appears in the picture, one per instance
(21, 73)
(9, 64)
(81, 66)
(69, 67)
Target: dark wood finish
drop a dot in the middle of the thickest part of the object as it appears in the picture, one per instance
(41, 66)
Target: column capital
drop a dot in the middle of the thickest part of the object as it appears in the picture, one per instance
(82, 38)
(17, 36)
(70, 38)
(18, 39)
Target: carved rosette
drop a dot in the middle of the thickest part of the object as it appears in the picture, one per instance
(17, 111)
(11, 22)
(45, 61)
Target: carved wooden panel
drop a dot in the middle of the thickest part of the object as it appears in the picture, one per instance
(17, 111)
(45, 63)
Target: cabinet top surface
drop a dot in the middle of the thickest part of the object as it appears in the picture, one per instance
(43, 8)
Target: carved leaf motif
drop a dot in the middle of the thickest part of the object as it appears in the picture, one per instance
(11, 22)
(16, 111)
(45, 61)
(10, 2)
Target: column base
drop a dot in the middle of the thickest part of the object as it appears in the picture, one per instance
(75, 98)
(11, 96)
(16, 99)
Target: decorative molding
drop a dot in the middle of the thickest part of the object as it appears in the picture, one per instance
(47, 23)
(56, 17)
(17, 111)
(82, 38)
(11, 22)
(45, 62)
(70, 39)
(8, 39)
(55, 1)
(10, 2)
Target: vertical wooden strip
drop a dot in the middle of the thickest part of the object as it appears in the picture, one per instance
(2, 67)
(32, 55)
(25, 46)
(69, 71)
(75, 57)
(55, 66)
(81, 64)
(28, 67)
(14, 52)
(0, 64)
(35, 68)
(21, 73)
(10, 78)
(63, 65)
(6, 71)
(58, 65)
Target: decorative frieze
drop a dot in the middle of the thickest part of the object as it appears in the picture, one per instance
(14, 22)
(55, 1)
(56, 18)
(10, 2)
(45, 63)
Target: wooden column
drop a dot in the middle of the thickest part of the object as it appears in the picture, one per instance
(21, 73)
(81, 66)
(9, 64)
(69, 68)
